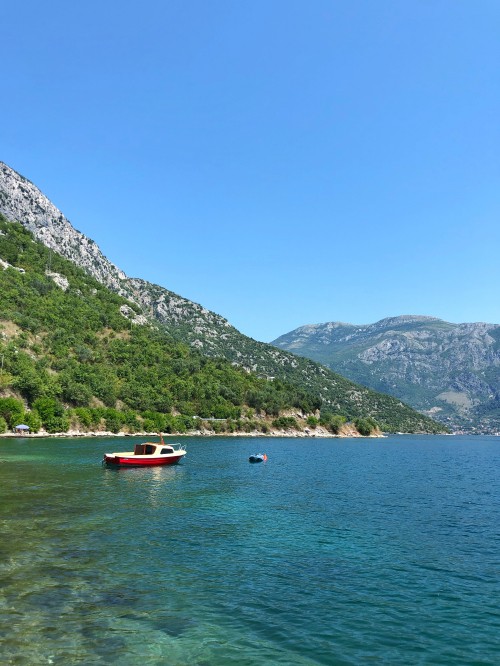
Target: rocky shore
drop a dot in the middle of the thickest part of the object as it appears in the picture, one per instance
(306, 432)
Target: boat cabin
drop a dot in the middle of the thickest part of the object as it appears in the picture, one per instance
(149, 449)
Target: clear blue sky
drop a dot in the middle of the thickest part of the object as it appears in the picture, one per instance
(280, 162)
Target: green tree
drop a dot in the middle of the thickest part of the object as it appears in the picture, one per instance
(84, 416)
(285, 422)
(33, 420)
(57, 424)
(51, 411)
(12, 411)
(364, 426)
(312, 421)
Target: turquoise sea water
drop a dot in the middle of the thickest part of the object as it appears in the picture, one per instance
(378, 551)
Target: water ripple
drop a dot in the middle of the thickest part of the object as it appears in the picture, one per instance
(359, 552)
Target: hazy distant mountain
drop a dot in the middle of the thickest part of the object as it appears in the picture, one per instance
(450, 371)
(22, 201)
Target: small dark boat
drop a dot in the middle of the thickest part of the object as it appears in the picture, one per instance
(257, 457)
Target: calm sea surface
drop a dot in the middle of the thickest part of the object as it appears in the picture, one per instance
(382, 551)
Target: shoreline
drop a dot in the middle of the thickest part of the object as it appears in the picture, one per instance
(318, 433)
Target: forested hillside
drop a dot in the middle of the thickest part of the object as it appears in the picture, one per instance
(68, 342)
(76, 355)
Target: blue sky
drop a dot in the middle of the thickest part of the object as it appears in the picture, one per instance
(280, 162)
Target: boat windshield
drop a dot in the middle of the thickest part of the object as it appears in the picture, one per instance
(144, 449)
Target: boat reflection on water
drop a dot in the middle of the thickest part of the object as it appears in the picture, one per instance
(153, 484)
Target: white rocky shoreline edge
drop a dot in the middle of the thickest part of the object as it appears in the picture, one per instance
(317, 432)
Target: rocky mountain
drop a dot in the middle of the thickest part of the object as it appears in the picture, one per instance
(449, 371)
(189, 322)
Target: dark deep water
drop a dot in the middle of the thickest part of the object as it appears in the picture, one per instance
(378, 551)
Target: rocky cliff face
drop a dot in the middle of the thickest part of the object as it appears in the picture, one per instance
(22, 201)
(451, 371)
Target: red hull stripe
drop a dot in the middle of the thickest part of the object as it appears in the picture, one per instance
(116, 460)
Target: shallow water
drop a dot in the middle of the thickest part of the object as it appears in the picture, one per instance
(382, 551)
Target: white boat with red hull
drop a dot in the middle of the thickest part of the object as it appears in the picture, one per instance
(147, 454)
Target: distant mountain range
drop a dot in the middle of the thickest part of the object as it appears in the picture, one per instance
(448, 371)
(211, 334)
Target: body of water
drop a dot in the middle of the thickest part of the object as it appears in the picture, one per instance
(334, 551)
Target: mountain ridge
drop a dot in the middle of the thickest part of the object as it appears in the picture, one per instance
(450, 371)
